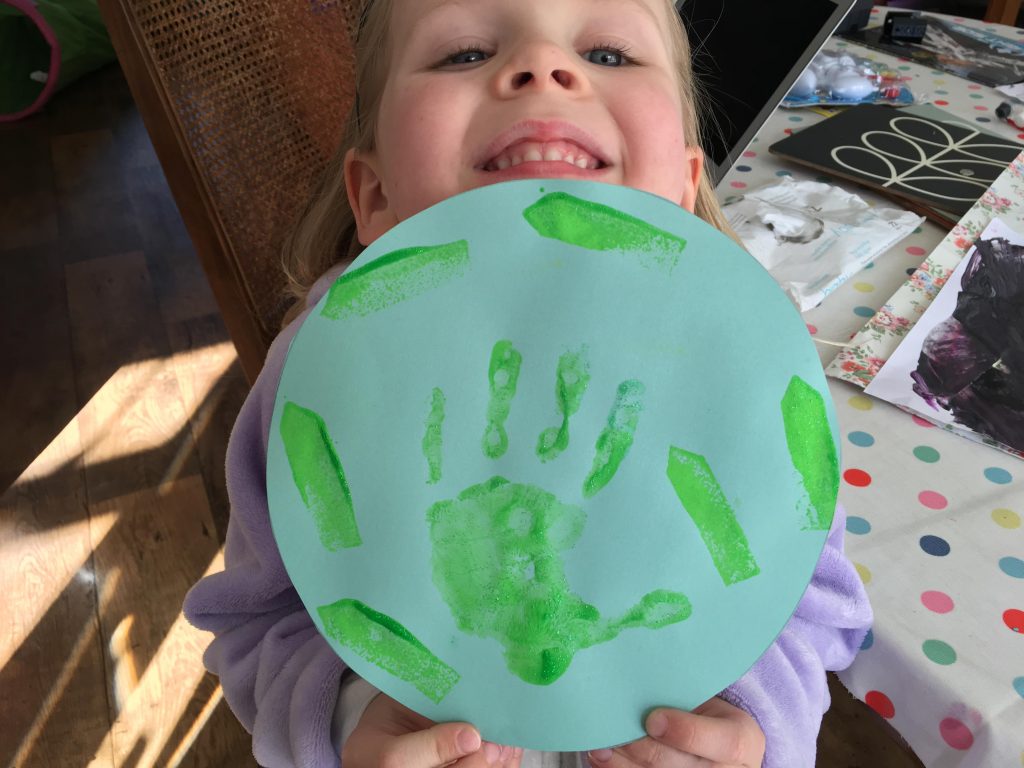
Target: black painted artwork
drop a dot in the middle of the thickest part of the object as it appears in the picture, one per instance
(943, 165)
(972, 363)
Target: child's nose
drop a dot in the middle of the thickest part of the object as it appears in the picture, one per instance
(541, 67)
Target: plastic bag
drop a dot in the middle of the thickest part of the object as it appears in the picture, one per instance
(838, 79)
(812, 237)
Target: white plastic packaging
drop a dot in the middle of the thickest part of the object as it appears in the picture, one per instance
(812, 237)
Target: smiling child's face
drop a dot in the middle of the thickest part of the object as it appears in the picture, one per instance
(482, 91)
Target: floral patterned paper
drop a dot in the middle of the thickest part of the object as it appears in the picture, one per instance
(877, 340)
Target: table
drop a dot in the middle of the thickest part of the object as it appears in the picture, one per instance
(934, 520)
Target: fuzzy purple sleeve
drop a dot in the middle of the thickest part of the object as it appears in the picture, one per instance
(279, 675)
(786, 690)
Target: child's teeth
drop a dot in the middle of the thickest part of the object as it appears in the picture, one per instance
(539, 152)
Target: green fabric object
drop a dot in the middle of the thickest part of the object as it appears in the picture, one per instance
(78, 29)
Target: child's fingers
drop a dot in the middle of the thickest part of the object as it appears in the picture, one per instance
(724, 735)
(440, 745)
(492, 755)
(646, 753)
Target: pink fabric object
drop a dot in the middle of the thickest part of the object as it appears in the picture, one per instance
(30, 10)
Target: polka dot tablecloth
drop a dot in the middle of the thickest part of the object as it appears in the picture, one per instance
(934, 521)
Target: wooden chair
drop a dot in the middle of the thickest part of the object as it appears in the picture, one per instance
(1003, 11)
(244, 102)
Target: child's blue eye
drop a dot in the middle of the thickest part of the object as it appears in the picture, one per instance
(466, 56)
(607, 56)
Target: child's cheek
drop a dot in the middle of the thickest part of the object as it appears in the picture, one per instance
(650, 119)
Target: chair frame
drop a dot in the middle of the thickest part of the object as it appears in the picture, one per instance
(189, 188)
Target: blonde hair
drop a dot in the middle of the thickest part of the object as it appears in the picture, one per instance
(325, 233)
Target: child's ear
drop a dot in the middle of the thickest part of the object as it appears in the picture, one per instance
(694, 170)
(367, 196)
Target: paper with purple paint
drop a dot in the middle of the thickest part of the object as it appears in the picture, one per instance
(959, 366)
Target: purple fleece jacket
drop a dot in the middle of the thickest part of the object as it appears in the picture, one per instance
(282, 679)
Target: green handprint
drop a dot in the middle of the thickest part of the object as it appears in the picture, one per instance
(497, 547)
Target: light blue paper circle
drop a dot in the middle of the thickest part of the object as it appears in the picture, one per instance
(716, 345)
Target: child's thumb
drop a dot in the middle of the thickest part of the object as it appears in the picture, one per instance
(437, 746)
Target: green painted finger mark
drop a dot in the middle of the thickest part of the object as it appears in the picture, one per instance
(432, 436)
(657, 609)
(812, 450)
(597, 227)
(497, 563)
(503, 376)
(381, 640)
(702, 497)
(615, 440)
(571, 382)
(395, 277)
(319, 476)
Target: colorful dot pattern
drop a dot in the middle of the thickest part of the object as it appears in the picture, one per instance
(947, 495)
(934, 522)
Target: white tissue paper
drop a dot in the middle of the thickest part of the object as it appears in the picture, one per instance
(812, 237)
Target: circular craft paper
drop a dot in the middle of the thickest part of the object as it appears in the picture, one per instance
(550, 454)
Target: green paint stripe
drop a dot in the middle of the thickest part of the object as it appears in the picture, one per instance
(319, 476)
(597, 227)
(616, 439)
(381, 640)
(503, 377)
(702, 497)
(432, 436)
(395, 277)
(571, 381)
(812, 450)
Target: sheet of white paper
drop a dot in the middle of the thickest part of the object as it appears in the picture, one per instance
(893, 382)
(1015, 91)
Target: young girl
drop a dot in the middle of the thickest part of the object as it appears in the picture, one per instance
(452, 95)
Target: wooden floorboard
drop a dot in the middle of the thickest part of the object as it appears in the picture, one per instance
(120, 398)
(92, 196)
(28, 199)
(37, 396)
(53, 674)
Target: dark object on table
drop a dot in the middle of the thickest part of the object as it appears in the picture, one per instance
(905, 27)
(778, 41)
(972, 363)
(915, 160)
(974, 54)
(1011, 113)
(857, 17)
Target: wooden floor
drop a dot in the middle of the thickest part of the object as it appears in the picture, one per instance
(117, 394)
(118, 389)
